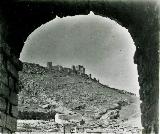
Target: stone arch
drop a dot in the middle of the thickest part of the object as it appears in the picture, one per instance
(21, 17)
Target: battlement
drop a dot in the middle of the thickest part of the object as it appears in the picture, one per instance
(58, 67)
(79, 69)
(75, 69)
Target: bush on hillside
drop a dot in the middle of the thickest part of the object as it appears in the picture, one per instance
(36, 115)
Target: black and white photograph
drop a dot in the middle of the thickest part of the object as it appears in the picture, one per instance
(79, 66)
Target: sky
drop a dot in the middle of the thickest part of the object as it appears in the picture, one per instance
(101, 45)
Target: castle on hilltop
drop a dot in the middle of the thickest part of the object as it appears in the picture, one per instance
(79, 70)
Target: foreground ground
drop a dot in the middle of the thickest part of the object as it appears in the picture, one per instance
(125, 124)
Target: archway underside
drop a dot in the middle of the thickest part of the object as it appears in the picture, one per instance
(19, 19)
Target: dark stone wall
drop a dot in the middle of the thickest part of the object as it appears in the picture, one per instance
(146, 57)
(30, 15)
(9, 66)
(19, 18)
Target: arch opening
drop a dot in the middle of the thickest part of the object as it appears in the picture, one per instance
(67, 53)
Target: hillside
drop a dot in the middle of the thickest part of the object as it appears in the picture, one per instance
(64, 90)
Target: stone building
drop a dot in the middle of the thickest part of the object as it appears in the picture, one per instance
(80, 69)
(73, 68)
(49, 65)
(58, 68)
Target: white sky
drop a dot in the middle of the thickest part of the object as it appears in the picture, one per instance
(104, 47)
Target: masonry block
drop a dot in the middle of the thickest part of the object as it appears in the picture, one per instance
(4, 77)
(2, 119)
(12, 69)
(17, 63)
(14, 111)
(7, 49)
(144, 107)
(3, 65)
(17, 87)
(11, 82)
(8, 108)
(13, 98)
(1, 58)
(3, 104)
(1, 129)
(4, 91)
(11, 123)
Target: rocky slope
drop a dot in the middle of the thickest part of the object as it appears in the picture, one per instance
(52, 90)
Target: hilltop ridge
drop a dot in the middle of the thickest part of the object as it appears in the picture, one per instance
(79, 70)
(54, 89)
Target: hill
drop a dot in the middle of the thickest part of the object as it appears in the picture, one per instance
(65, 90)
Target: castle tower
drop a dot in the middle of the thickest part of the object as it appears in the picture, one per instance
(49, 65)
(78, 68)
(83, 70)
(73, 68)
(59, 68)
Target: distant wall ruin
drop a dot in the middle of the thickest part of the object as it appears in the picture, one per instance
(49, 65)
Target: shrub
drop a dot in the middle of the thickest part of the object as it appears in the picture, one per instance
(36, 115)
